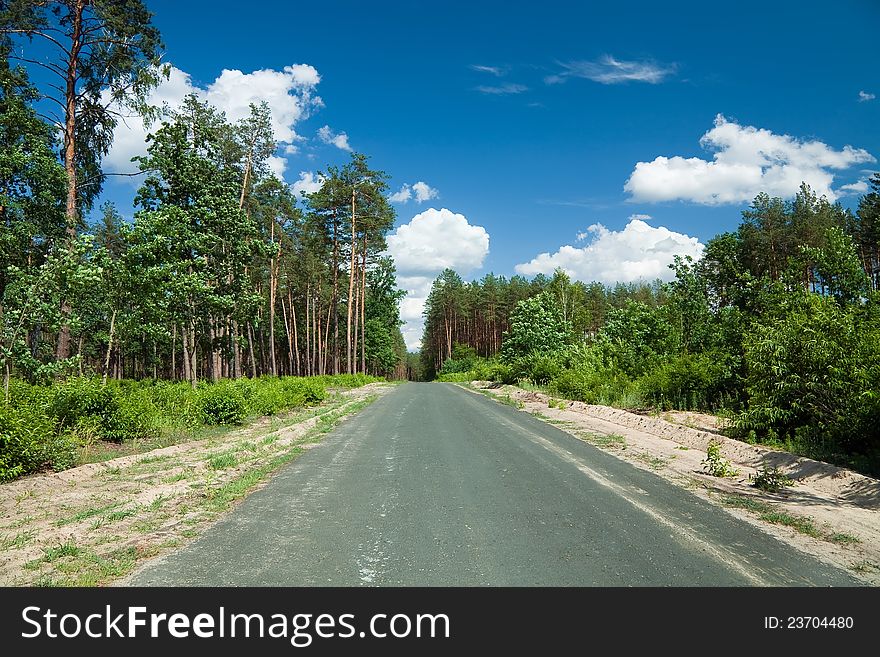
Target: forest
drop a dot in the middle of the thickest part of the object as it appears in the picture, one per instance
(221, 273)
(776, 328)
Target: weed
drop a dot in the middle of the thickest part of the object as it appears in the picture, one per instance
(716, 465)
(85, 514)
(771, 479)
(223, 461)
(844, 539)
(17, 541)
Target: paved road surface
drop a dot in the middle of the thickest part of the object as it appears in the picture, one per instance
(434, 485)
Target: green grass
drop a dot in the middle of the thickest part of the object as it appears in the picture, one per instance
(223, 461)
(86, 514)
(843, 538)
(18, 541)
(611, 440)
(653, 462)
(802, 524)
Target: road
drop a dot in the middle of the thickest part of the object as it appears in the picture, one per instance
(434, 485)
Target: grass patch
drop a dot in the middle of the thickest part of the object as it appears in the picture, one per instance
(86, 514)
(611, 440)
(223, 461)
(843, 538)
(17, 541)
(801, 524)
(653, 462)
(745, 502)
(220, 499)
(769, 513)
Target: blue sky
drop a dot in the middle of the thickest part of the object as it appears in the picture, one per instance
(528, 119)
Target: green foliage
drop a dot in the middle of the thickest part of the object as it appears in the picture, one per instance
(812, 374)
(222, 403)
(771, 479)
(685, 381)
(30, 440)
(536, 325)
(85, 407)
(716, 465)
(42, 426)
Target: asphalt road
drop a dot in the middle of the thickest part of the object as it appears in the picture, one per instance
(434, 485)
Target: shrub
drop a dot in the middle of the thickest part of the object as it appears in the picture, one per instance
(603, 386)
(686, 381)
(716, 465)
(771, 479)
(30, 441)
(222, 403)
(85, 407)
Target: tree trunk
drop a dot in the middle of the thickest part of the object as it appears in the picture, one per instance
(286, 319)
(308, 333)
(295, 335)
(363, 307)
(253, 358)
(335, 292)
(236, 351)
(70, 211)
(348, 346)
(109, 348)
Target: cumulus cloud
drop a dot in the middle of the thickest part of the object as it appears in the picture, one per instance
(608, 70)
(432, 241)
(503, 89)
(420, 191)
(340, 140)
(864, 96)
(638, 252)
(289, 92)
(308, 183)
(746, 161)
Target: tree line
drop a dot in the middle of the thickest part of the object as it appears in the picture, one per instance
(222, 272)
(777, 327)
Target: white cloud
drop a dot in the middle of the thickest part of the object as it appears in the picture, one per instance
(638, 252)
(859, 187)
(432, 241)
(423, 192)
(420, 191)
(497, 71)
(609, 70)
(308, 183)
(402, 195)
(747, 161)
(864, 96)
(503, 89)
(289, 93)
(340, 140)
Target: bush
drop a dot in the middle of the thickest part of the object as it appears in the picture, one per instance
(30, 441)
(770, 479)
(685, 382)
(603, 386)
(716, 465)
(87, 408)
(222, 403)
